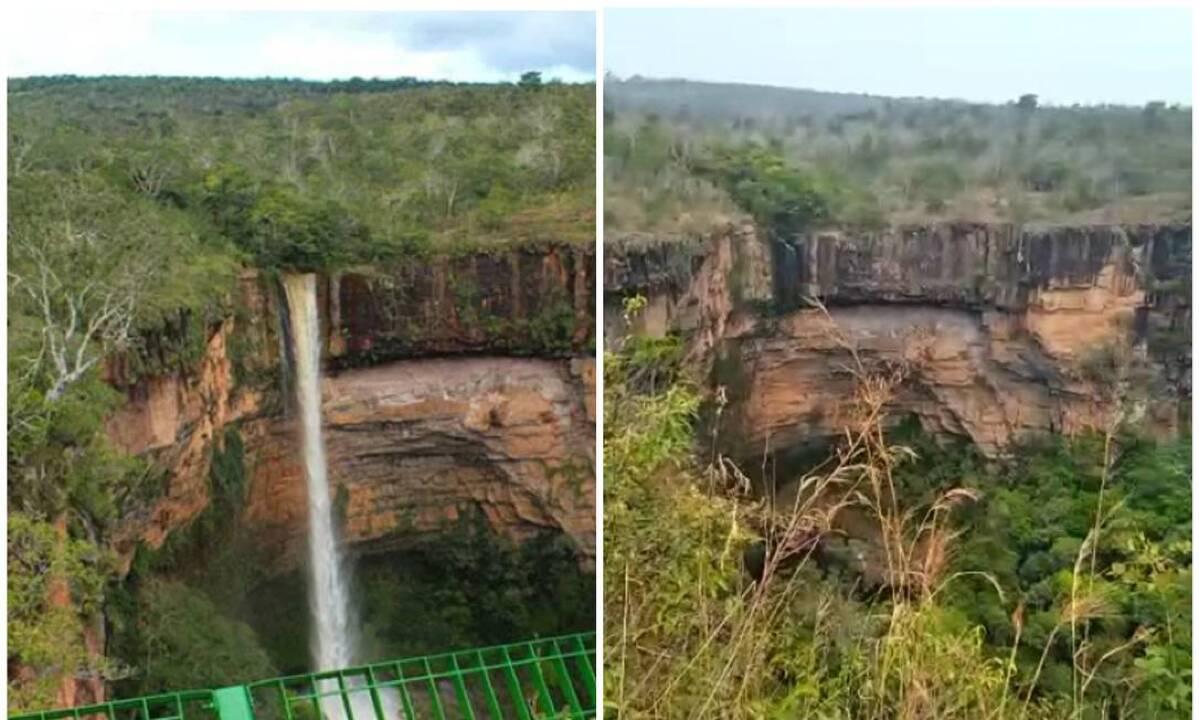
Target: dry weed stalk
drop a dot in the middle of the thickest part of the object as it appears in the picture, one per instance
(860, 472)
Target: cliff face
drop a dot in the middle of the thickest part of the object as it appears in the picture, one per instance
(526, 303)
(427, 407)
(412, 444)
(1002, 331)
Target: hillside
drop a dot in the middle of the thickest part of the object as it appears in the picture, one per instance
(412, 163)
(685, 156)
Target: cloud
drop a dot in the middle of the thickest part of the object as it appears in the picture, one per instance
(508, 41)
(319, 53)
(459, 46)
(47, 45)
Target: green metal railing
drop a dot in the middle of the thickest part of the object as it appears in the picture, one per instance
(544, 678)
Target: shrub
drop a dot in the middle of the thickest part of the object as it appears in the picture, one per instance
(183, 641)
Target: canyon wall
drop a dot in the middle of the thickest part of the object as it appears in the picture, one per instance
(411, 445)
(451, 382)
(537, 303)
(1004, 332)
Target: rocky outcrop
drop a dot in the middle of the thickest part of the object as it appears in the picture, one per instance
(1002, 330)
(435, 399)
(176, 419)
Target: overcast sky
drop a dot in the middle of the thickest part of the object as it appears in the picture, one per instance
(461, 46)
(1064, 55)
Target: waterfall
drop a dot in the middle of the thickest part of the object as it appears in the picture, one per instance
(788, 274)
(333, 645)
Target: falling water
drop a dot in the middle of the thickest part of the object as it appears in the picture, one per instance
(333, 646)
(788, 274)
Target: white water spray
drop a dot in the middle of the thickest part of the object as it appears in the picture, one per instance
(333, 645)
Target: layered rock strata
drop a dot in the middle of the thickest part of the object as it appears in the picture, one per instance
(1005, 332)
(411, 445)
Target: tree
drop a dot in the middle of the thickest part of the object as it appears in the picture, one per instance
(47, 616)
(1153, 115)
(531, 78)
(80, 267)
(759, 180)
(183, 640)
(1027, 102)
(294, 231)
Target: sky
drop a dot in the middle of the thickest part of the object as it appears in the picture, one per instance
(459, 46)
(1064, 55)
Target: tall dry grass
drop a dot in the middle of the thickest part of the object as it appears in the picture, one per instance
(689, 634)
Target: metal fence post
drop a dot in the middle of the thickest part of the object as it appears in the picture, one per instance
(233, 703)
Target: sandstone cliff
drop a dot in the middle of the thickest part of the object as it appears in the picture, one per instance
(411, 444)
(450, 382)
(1002, 329)
(527, 303)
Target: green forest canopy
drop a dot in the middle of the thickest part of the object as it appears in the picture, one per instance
(876, 160)
(380, 164)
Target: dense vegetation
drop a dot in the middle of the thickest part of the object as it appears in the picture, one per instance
(224, 617)
(1056, 584)
(469, 588)
(368, 168)
(133, 205)
(681, 156)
